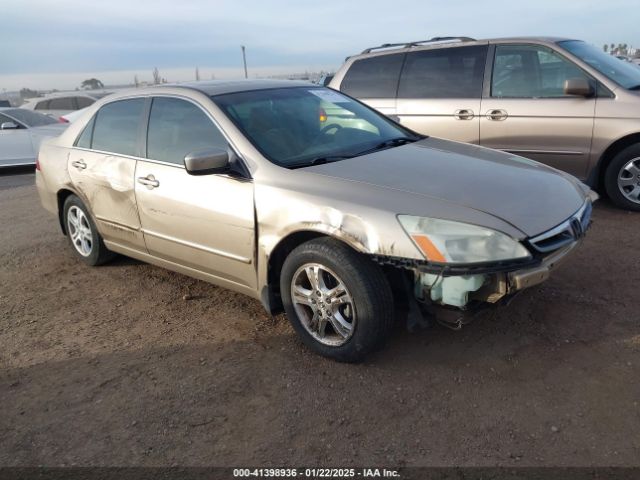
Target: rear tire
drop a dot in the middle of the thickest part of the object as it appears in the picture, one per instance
(622, 179)
(347, 311)
(85, 240)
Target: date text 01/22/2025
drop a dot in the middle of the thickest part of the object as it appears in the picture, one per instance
(316, 472)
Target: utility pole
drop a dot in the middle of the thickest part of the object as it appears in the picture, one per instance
(244, 60)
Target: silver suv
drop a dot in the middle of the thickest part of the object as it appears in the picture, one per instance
(559, 101)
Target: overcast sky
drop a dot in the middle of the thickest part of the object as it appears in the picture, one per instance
(56, 44)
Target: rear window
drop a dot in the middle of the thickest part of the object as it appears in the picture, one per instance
(443, 73)
(374, 77)
(42, 105)
(65, 103)
(116, 127)
(29, 118)
(84, 102)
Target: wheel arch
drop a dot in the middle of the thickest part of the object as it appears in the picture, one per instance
(596, 178)
(271, 294)
(62, 196)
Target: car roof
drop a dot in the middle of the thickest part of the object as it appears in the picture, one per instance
(446, 42)
(95, 94)
(219, 87)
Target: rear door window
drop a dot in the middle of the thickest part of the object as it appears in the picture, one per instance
(84, 140)
(65, 103)
(116, 127)
(84, 102)
(374, 77)
(178, 127)
(42, 105)
(444, 73)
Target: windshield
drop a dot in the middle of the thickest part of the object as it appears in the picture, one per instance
(29, 118)
(302, 126)
(623, 73)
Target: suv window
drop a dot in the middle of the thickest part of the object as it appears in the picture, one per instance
(116, 128)
(42, 105)
(65, 103)
(455, 72)
(84, 102)
(178, 127)
(374, 77)
(531, 71)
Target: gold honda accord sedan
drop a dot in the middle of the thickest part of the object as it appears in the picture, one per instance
(311, 202)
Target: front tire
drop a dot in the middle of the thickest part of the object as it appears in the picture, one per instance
(622, 178)
(84, 238)
(338, 301)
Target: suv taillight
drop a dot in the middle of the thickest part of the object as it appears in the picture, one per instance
(37, 164)
(62, 120)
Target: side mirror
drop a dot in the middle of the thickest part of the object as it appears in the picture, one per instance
(207, 161)
(9, 126)
(578, 86)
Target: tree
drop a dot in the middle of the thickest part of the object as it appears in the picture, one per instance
(605, 47)
(197, 74)
(92, 84)
(135, 81)
(157, 79)
(28, 93)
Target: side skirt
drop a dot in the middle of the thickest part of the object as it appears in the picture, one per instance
(190, 272)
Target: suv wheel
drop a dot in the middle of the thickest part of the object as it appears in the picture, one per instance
(622, 178)
(337, 300)
(86, 242)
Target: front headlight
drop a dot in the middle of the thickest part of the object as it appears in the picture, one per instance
(444, 241)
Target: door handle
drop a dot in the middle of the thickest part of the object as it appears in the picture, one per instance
(149, 181)
(497, 115)
(79, 164)
(463, 114)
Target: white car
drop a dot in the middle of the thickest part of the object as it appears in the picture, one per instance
(21, 132)
(60, 104)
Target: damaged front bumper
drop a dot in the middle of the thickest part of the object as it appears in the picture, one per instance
(464, 287)
(461, 290)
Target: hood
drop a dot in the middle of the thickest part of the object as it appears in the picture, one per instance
(528, 195)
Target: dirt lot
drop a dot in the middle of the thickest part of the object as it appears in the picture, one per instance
(110, 366)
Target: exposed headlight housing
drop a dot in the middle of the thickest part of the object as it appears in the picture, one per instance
(445, 241)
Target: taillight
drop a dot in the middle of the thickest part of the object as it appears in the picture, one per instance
(37, 164)
(62, 120)
(323, 115)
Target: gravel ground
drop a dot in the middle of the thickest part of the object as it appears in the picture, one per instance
(110, 366)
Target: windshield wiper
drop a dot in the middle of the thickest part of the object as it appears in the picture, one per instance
(392, 142)
(318, 161)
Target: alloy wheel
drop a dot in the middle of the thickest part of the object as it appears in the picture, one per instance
(323, 304)
(629, 180)
(79, 231)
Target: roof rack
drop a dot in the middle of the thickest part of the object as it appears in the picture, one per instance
(419, 42)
